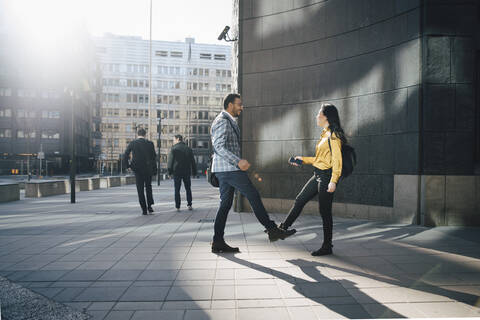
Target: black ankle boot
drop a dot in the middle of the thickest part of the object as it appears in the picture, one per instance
(276, 233)
(222, 246)
(281, 226)
(323, 251)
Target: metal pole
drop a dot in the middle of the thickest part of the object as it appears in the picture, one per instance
(150, 136)
(28, 167)
(73, 161)
(159, 143)
(40, 158)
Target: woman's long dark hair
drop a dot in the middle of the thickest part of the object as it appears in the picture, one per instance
(331, 113)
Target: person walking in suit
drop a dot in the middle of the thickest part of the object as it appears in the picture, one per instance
(230, 170)
(181, 164)
(145, 166)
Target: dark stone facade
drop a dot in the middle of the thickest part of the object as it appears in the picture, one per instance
(401, 72)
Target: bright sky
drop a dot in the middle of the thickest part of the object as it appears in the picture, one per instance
(173, 20)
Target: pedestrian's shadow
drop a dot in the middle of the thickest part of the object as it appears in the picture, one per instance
(396, 280)
(330, 293)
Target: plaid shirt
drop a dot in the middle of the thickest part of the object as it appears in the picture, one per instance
(226, 144)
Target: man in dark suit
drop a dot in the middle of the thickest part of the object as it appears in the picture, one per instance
(144, 165)
(181, 164)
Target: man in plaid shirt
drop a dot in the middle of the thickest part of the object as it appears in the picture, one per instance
(230, 170)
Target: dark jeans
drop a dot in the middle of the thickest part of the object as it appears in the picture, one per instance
(144, 181)
(187, 183)
(229, 181)
(317, 185)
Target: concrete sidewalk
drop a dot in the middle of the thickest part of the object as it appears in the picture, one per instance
(100, 255)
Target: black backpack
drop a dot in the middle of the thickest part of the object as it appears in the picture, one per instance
(349, 159)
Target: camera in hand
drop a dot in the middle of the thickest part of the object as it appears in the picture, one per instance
(297, 161)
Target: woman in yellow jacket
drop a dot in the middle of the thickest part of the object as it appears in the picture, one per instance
(327, 164)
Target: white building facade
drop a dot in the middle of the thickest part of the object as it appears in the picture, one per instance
(189, 82)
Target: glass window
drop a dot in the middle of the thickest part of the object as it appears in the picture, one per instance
(5, 112)
(5, 133)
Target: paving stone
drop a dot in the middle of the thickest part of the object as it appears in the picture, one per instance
(145, 294)
(101, 294)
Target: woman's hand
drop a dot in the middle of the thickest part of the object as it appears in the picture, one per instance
(331, 187)
(294, 163)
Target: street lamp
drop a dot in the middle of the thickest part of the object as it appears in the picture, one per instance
(159, 144)
(73, 160)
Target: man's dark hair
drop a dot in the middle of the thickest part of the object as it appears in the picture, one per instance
(142, 132)
(230, 98)
(179, 137)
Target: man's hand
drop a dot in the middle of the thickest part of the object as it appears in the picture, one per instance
(243, 165)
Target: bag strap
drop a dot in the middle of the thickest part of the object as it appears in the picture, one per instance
(330, 147)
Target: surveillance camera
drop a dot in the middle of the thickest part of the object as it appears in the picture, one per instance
(223, 33)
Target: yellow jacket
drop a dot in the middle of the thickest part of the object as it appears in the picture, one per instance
(324, 159)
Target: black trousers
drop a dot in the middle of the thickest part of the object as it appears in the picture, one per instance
(144, 183)
(187, 183)
(229, 181)
(317, 185)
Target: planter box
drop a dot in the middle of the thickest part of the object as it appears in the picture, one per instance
(9, 192)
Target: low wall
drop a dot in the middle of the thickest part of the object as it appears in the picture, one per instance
(127, 180)
(9, 192)
(40, 189)
(109, 182)
(93, 183)
(87, 184)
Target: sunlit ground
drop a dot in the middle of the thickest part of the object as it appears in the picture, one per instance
(100, 255)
